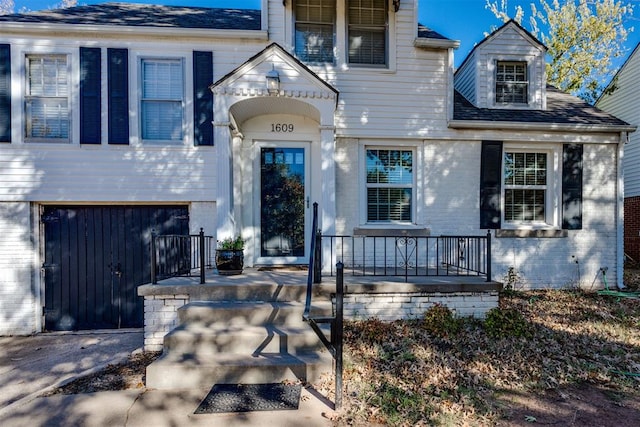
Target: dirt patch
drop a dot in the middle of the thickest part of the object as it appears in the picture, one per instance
(580, 405)
(123, 376)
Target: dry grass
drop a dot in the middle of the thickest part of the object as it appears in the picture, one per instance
(412, 373)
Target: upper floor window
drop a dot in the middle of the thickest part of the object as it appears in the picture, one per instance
(525, 187)
(367, 31)
(389, 185)
(314, 27)
(47, 97)
(512, 85)
(162, 102)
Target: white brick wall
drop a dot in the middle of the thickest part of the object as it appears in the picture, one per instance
(18, 294)
(413, 305)
(448, 203)
(160, 317)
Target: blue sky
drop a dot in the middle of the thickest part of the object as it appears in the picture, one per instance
(463, 20)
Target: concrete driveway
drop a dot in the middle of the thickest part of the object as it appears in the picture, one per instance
(31, 364)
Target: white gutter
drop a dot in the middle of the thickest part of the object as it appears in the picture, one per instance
(127, 30)
(436, 43)
(498, 125)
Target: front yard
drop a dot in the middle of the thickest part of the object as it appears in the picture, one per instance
(545, 357)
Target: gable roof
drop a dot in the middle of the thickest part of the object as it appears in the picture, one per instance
(510, 23)
(563, 110)
(130, 14)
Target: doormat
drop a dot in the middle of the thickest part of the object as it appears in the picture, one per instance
(250, 397)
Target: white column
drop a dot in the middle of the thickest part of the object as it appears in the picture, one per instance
(327, 208)
(224, 199)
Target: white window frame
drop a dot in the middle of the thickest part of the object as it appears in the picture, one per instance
(348, 25)
(28, 97)
(553, 187)
(365, 186)
(181, 101)
(526, 83)
(341, 41)
(299, 50)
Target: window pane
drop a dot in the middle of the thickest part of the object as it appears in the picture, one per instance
(315, 30)
(162, 99)
(389, 185)
(525, 168)
(47, 118)
(511, 82)
(46, 100)
(389, 204)
(162, 80)
(367, 28)
(314, 43)
(524, 205)
(390, 166)
(162, 120)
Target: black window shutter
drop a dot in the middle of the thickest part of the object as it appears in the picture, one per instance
(118, 80)
(5, 93)
(203, 98)
(90, 99)
(490, 184)
(572, 186)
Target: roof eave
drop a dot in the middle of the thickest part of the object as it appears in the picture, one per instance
(558, 127)
(120, 30)
(432, 43)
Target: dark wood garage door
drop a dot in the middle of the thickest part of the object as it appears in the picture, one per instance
(96, 257)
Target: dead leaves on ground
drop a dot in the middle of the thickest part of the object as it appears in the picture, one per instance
(405, 373)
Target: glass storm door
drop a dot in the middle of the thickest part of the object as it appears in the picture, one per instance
(283, 203)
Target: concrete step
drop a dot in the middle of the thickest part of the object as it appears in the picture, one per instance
(235, 313)
(191, 339)
(202, 372)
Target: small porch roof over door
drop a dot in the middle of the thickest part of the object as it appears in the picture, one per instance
(301, 91)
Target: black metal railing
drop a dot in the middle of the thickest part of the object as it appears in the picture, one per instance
(175, 255)
(334, 343)
(409, 256)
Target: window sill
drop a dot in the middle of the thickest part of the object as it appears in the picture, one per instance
(391, 231)
(550, 233)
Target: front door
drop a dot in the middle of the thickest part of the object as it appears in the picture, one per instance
(283, 204)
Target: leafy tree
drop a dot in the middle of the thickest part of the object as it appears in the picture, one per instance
(6, 7)
(583, 38)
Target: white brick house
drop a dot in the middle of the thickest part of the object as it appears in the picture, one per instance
(119, 119)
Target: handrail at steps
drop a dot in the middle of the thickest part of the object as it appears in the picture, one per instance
(335, 344)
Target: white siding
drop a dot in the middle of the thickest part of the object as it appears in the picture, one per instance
(476, 80)
(73, 174)
(623, 102)
(18, 294)
(465, 78)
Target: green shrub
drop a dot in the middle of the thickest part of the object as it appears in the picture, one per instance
(506, 322)
(440, 321)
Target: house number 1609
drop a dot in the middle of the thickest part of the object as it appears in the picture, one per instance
(281, 127)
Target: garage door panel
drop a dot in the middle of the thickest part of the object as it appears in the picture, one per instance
(96, 257)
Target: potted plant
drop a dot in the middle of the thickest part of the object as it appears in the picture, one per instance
(230, 256)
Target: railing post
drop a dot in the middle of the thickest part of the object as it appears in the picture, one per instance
(488, 255)
(339, 325)
(202, 261)
(317, 268)
(154, 260)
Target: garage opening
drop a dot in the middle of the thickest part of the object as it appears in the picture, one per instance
(95, 257)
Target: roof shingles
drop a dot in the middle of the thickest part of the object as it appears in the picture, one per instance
(562, 108)
(129, 14)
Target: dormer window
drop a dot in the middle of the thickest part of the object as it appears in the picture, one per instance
(367, 31)
(315, 22)
(512, 85)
